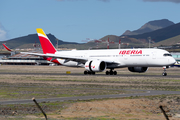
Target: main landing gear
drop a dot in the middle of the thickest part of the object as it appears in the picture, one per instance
(111, 72)
(164, 73)
(89, 73)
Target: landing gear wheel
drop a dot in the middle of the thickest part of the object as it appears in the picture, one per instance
(89, 73)
(115, 73)
(93, 73)
(85, 72)
(164, 74)
(111, 72)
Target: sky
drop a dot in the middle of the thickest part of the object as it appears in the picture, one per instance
(77, 20)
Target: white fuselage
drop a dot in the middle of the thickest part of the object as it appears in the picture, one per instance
(124, 57)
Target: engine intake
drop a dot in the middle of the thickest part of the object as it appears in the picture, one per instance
(95, 66)
(138, 69)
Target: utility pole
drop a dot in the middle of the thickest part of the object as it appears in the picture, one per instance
(57, 44)
(119, 43)
(149, 38)
(108, 43)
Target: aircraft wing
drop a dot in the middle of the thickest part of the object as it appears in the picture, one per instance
(69, 58)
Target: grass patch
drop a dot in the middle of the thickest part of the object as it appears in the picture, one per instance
(27, 91)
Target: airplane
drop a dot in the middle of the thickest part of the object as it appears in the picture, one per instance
(137, 60)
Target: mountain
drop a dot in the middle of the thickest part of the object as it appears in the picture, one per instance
(125, 41)
(169, 42)
(150, 26)
(160, 30)
(160, 34)
(137, 41)
(29, 40)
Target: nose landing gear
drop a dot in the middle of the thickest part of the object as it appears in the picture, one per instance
(164, 73)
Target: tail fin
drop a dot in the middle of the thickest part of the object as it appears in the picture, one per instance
(46, 44)
(7, 47)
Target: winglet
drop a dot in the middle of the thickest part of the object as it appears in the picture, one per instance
(46, 44)
(7, 47)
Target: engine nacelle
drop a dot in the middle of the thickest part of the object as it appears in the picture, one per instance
(138, 69)
(95, 66)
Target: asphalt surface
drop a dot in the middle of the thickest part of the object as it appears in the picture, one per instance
(145, 93)
(118, 75)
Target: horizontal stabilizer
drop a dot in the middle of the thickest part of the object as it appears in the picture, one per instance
(7, 47)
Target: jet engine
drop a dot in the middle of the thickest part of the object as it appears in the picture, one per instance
(138, 69)
(95, 66)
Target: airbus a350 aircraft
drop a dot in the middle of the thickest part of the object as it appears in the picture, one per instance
(137, 60)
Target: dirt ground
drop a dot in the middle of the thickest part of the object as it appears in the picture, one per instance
(124, 109)
(140, 108)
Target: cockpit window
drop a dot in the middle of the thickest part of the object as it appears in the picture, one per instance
(167, 54)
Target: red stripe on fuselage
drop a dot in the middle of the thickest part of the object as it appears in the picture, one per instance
(54, 61)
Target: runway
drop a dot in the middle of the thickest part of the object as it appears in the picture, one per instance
(103, 75)
(145, 93)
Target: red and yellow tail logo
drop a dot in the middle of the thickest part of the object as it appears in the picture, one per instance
(46, 44)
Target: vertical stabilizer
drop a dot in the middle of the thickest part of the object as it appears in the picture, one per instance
(46, 44)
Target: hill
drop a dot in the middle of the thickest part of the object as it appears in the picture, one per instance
(150, 26)
(168, 36)
(29, 40)
(160, 30)
(126, 42)
(169, 42)
(161, 34)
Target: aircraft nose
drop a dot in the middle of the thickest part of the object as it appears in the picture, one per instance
(172, 61)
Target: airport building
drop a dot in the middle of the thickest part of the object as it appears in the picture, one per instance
(23, 59)
(176, 56)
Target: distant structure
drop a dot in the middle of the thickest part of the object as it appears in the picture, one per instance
(17, 58)
(24, 59)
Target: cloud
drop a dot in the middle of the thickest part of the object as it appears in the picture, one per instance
(3, 33)
(174, 1)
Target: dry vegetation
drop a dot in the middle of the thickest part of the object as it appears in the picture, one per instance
(50, 81)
